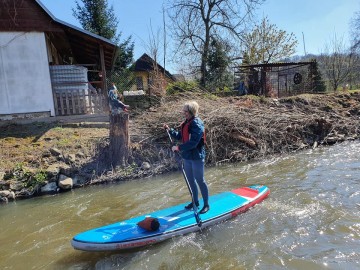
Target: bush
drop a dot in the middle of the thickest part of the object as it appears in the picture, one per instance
(178, 87)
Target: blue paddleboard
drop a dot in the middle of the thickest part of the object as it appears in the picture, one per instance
(173, 221)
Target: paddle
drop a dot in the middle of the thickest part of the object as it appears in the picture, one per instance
(196, 214)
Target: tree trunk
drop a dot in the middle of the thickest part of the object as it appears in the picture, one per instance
(119, 139)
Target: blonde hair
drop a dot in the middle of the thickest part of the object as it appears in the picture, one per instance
(192, 107)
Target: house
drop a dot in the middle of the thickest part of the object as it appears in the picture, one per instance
(45, 62)
(150, 76)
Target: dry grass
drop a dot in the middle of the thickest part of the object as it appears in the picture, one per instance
(29, 144)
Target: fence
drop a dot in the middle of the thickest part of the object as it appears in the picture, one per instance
(72, 102)
(136, 89)
(142, 102)
(74, 93)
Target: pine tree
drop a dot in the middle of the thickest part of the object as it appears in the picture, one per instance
(97, 17)
(316, 78)
(218, 75)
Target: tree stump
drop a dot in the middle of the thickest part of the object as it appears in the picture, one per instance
(119, 139)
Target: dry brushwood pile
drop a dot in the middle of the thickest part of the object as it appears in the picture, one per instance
(249, 127)
(37, 156)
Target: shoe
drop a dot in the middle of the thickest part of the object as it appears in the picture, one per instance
(204, 209)
(190, 206)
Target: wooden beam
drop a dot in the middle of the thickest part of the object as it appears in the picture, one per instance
(103, 72)
(102, 64)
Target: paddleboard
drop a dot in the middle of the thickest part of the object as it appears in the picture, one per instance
(174, 221)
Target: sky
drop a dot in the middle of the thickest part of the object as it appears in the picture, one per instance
(313, 22)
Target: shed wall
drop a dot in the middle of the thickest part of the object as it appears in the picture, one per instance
(25, 85)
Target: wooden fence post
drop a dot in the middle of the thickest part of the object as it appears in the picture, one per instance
(119, 139)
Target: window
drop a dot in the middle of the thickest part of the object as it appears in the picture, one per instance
(139, 83)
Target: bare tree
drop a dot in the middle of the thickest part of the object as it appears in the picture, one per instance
(267, 43)
(354, 79)
(195, 22)
(355, 30)
(337, 62)
(157, 76)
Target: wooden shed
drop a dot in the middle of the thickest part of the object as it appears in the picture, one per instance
(31, 41)
(275, 79)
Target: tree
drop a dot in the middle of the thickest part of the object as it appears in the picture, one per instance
(337, 62)
(355, 30)
(157, 76)
(124, 54)
(218, 75)
(97, 17)
(355, 48)
(196, 22)
(267, 43)
(315, 81)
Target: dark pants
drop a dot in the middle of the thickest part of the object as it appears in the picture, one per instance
(194, 170)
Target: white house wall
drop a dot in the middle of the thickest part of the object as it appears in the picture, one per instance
(25, 85)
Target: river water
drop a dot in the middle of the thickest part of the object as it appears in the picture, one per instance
(311, 220)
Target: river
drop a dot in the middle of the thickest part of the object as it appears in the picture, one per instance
(311, 220)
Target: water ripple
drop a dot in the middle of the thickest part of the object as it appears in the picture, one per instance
(310, 220)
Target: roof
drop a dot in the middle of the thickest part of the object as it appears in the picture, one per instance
(32, 15)
(280, 64)
(74, 27)
(146, 63)
(84, 44)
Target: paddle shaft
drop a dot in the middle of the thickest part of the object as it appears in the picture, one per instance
(196, 214)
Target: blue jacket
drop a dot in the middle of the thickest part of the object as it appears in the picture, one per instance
(194, 148)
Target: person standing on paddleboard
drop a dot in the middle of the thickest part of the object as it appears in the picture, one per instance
(192, 150)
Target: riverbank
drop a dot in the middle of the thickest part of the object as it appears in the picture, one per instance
(45, 158)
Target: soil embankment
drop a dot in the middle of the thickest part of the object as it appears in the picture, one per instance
(44, 158)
